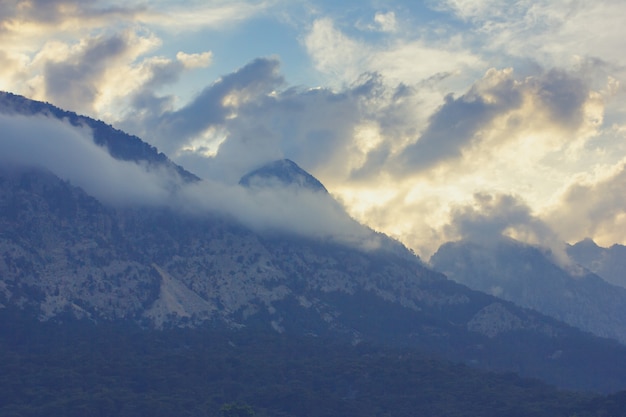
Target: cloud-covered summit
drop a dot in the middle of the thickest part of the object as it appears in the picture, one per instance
(404, 110)
(41, 140)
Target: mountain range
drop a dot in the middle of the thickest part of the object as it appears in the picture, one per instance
(527, 276)
(68, 254)
(609, 263)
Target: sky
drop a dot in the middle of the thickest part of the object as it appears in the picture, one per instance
(428, 121)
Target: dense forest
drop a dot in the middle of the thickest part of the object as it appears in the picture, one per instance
(79, 368)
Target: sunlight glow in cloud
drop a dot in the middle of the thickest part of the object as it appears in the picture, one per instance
(414, 116)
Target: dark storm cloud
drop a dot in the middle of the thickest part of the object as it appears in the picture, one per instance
(74, 82)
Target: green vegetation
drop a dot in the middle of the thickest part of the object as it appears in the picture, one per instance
(116, 369)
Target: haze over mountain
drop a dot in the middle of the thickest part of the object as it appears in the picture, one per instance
(72, 147)
(609, 263)
(183, 252)
(529, 277)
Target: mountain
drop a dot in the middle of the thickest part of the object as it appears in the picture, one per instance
(526, 276)
(282, 173)
(66, 255)
(609, 263)
(120, 145)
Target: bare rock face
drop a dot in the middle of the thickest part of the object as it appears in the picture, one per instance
(176, 302)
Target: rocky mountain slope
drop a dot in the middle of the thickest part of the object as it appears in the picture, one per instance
(64, 252)
(526, 275)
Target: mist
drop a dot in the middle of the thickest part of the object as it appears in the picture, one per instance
(70, 153)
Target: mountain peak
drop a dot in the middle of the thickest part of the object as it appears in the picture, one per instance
(283, 173)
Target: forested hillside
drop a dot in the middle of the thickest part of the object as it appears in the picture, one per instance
(118, 369)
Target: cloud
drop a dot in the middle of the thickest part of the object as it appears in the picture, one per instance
(496, 111)
(458, 122)
(157, 71)
(386, 21)
(11, 71)
(409, 121)
(563, 95)
(73, 81)
(191, 16)
(315, 127)
(173, 130)
(492, 217)
(90, 56)
(361, 138)
(36, 17)
(20, 14)
(593, 206)
(89, 75)
(409, 57)
(552, 33)
(285, 210)
(200, 60)
(367, 136)
(334, 53)
(70, 153)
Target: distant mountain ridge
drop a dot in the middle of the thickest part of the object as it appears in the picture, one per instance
(609, 263)
(526, 276)
(65, 253)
